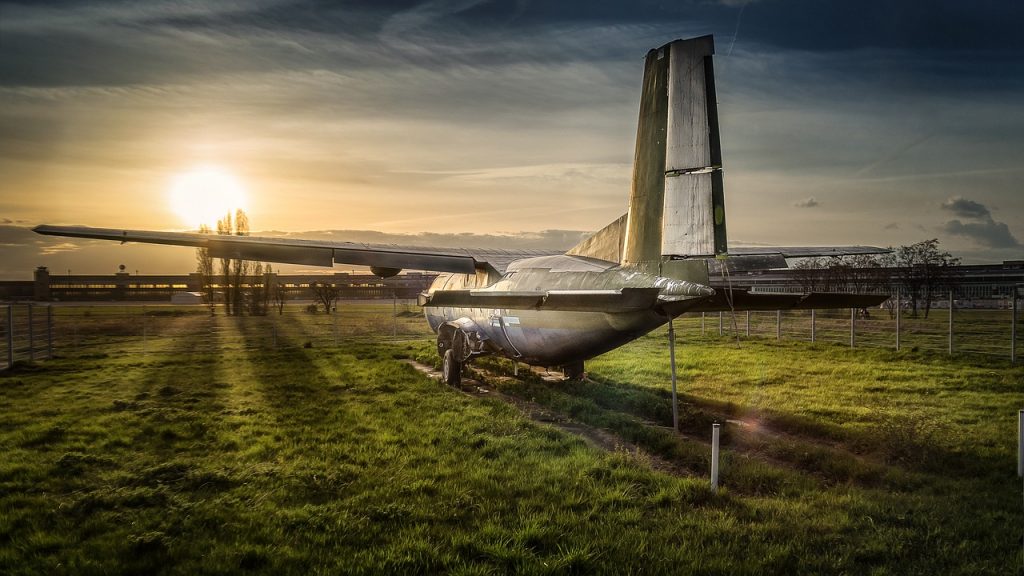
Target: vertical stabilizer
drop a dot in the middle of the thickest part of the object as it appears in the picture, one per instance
(676, 203)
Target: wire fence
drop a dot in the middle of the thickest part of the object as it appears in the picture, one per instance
(968, 331)
(31, 332)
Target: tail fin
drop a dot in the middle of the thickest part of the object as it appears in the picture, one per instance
(676, 203)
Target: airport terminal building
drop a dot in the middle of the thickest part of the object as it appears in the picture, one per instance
(126, 287)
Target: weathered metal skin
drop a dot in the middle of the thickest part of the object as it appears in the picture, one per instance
(555, 338)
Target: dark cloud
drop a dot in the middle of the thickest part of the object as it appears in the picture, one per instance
(966, 208)
(810, 202)
(981, 227)
(892, 226)
(986, 232)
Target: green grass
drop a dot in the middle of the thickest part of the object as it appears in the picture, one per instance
(235, 456)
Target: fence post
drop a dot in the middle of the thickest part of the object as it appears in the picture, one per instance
(10, 335)
(853, 327)
(31, 336)
(721, 316)
(778, 324)
(672, 363)
(49, 331)
(748, 323)
(951, 305)
(145, 330)
(702, 323)
(714, 456)
(813, 322)
(899, 312)
(1013, 325)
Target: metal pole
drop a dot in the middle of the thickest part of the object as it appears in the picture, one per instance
(778, 324)
(1013, 326)
(951, 305)
(1020, 443)
(10, 335)
(813, 322)
(31, 336)
(672, 361)
(49, 331)
(748, 323)
(714, 456)
(853, 327)
(702, 323)
(721, 315)
(899, 314)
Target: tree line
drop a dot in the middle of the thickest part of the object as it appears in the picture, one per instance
(922, 271)
(245, 286)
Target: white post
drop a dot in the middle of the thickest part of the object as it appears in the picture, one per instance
(1020, 443)
(813, 319)
(778, 324)
(748, 323)
(721, 315)
(1013, 326)
(672, 362)
(701, 323)
(714, 456)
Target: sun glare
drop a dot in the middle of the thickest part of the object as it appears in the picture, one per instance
(206, 194)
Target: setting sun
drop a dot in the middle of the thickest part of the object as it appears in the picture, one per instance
(205, 194)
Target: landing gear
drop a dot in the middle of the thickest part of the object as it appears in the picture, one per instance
(574, 371)
(451, 369)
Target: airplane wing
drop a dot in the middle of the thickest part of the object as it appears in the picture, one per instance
(312, 252)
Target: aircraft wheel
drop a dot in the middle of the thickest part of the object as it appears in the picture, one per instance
(573, 371)
(451, 369)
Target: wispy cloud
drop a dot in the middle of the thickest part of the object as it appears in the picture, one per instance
(810, 202)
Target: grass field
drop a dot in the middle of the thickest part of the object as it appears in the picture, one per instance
(229, 456)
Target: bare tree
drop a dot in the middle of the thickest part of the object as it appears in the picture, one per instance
(924, 270)
(326, 294)
(278, 294)
(204, 266)
(224, 228)
(239, 267)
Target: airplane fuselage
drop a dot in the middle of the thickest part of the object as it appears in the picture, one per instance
(547, 337)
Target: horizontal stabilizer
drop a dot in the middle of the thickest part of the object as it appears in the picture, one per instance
(610, 301)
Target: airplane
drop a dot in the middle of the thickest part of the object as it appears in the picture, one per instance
(555, 309)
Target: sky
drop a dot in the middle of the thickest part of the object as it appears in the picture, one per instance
(503, 122)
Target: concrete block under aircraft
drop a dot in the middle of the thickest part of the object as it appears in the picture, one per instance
(560, 309)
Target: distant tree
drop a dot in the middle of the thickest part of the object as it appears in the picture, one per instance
(924, 269)
(224, 228)
(326, 294)
(204, 266)
(239, 267)
(257, 296)
(809, 273)
(278, 294)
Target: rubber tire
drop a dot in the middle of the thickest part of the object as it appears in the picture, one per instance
(451, 369)
(574, 371)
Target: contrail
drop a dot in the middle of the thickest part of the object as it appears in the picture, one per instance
(736, 32)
